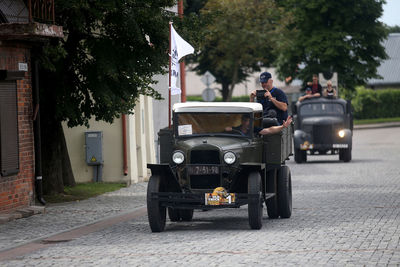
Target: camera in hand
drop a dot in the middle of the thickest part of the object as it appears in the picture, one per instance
(260, 94)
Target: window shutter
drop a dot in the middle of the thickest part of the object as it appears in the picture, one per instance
(9, 157)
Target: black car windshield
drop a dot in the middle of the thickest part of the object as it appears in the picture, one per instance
(321, 109)
(238, 124)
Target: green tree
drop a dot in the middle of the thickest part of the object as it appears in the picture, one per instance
(108, 57)
(240, 36)
(342, 36)
(393, 29)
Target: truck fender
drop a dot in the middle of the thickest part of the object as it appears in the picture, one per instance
(348, 134)
(167, 176)
(299, 138)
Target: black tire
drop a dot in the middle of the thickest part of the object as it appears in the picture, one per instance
(272, 203)
(186, 215)
(345, 154)
(285, 192)
(173, 214)
(255, 208)
(155, 212)
(300, 156)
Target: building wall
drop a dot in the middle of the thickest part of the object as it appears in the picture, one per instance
(140, 150)
(18, 190)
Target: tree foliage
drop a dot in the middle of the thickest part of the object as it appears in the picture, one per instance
(393, 29)
(341, 36)
(239, 37)
(108, 57)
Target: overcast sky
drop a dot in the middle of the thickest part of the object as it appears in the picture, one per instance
(391, 13)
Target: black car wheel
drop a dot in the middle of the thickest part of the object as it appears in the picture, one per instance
(300, 156)
(173, 214)
(285, 192)
(345, 154)
(186, 214)
(155, 212)
(272, 202)
(255, 208)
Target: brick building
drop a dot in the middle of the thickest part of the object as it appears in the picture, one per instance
(23, 24)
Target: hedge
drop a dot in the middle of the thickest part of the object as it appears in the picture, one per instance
(370, 104)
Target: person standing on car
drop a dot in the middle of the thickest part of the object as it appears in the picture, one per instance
(330, 92)
(316, 87)
(274, 100)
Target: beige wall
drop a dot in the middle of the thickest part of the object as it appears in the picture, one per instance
(140, 146)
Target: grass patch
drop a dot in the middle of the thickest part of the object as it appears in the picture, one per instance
(83, 191)
(378, 120)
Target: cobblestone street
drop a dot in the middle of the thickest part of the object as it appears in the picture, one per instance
(343, 214)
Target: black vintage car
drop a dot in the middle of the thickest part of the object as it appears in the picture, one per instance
(204, 166)
(322, 126)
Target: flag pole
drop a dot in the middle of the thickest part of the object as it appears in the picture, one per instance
(182, 64)
(169, 78)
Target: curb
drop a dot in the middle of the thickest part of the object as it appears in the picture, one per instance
(21, 213)
(376, 125)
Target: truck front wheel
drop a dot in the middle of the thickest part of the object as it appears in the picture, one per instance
(300, 156)
(155, 212)
(345, 154)
(255, 207)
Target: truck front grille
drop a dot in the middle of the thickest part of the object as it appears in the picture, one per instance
(323, 134)
(204, 157)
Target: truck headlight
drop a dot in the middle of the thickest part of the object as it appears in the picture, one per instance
(229, 157)
(178, 157)
(341, 133)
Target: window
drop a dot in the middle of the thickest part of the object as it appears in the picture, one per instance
(201, 123)
(9, 151)
(321, 109)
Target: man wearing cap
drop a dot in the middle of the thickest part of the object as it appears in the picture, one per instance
(307, 95)
(274, 100)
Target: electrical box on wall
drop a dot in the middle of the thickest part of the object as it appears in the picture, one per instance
(94, 147)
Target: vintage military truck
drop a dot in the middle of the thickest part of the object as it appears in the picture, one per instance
(322, 126)
(204, 166)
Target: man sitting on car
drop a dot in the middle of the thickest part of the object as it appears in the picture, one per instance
(244, 127)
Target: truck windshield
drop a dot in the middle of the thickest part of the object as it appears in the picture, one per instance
(321, 109)
(238, 124)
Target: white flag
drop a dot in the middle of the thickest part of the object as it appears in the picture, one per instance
(179, 49)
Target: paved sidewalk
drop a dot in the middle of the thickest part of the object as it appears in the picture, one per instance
(62, 217)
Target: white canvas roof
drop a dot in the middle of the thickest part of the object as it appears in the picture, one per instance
(217, 107)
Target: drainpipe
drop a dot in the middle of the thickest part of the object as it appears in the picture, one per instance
(123, 117)
(37, 137)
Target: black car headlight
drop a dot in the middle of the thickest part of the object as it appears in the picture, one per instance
(229, 157)
(178, 157)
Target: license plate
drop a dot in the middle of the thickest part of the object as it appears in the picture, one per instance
(340, 145)
(203, 170)
(213, 199)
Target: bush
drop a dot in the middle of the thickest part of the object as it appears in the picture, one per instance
(369, 104)
(243, 98)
